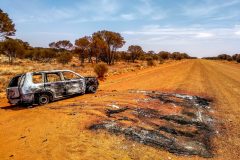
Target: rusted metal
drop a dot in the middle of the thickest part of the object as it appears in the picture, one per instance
(23, 90)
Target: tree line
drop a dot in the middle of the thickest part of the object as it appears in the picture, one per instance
(100, 46)
(235, 57)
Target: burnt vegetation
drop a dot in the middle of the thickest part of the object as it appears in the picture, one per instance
(187, 131)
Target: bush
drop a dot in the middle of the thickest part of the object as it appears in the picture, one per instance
(223, 56)
(64, 58)
(28, 54)
(46, 55)
(101, 70)
(11, 48)
(161, 61)
(150, 62)
(229, 58)
(234, 57)
(164, 55)
(238, 58)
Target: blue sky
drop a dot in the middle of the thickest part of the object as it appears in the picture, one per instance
(198, 27)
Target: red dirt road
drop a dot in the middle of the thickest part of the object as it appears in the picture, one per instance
(60, 130)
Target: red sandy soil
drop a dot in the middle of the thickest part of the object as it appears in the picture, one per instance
(59, 130)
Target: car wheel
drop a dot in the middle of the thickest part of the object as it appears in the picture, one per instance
(92, 89)
(43, 99)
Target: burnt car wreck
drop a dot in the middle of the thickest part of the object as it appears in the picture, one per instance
(45, 86)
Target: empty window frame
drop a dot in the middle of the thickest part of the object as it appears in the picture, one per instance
(53, 77)
(37, 78)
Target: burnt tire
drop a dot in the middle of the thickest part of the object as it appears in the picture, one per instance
(43, 99)
(92, 89)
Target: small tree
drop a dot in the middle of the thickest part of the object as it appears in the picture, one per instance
(112, 41)
(234, 57)
(7, 28)
(25, 45)
(164, 55)
(97, 46)
(52, 45)
(46, 55)
(61, 45)
(11, 48)
(175, 56)
(64, 45)
(155, 57)
(222, 56)
(229, 58)
(184, 56)
(125, 56)
(82, 46)
(135, 52)
(238, 58)
(28, 54)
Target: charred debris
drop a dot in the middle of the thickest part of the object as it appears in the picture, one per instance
(180, 124)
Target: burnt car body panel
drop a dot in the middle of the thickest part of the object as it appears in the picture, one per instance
(91, 82)
(13, 90)
(23, 89)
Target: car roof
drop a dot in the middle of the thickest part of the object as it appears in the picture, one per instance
(52, 71)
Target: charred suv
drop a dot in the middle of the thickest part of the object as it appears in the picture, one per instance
(45, 86)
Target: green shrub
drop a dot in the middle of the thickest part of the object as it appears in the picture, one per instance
(64, 58)
(164, 55)
(100, 70)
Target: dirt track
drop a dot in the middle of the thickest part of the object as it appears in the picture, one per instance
(59, 130)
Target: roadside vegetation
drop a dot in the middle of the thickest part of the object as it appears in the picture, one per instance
(102, 46)
(101, 70)
(235, 57)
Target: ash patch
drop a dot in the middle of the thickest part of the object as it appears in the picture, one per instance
(180, 124)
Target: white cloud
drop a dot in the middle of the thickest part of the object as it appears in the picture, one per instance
(237, 32)
(128, 16)
(204, 35)
(81, 11)
(186, 32)
(225, 17)
(98, 7)
(207, 8)
(197, 41)
(158, 17)
(91, 11)
(145, 7)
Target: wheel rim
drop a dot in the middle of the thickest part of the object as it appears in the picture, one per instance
(93, 89)
(43, 99)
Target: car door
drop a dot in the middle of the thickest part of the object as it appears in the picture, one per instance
(55, 83)
(13, 90)
(74, 83)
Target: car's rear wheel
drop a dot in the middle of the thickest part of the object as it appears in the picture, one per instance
(43, 99)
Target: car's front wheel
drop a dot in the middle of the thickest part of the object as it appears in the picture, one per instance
(92, 89)
(43, 99)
